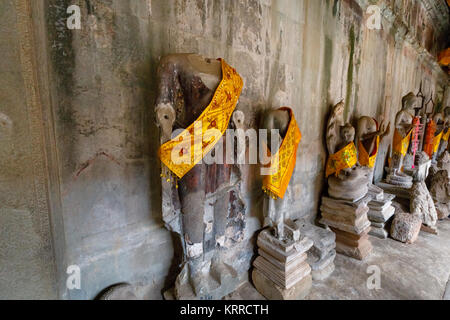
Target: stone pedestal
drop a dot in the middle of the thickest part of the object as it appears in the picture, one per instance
(281, 270)
(350, 223)
(380, 214)
(323, 252)
(402, 180)
(420, 171)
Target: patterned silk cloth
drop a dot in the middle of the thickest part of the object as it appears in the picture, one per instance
(187, 149)
(401, 144)
(363, 156)
(282, 164)
(343, 159)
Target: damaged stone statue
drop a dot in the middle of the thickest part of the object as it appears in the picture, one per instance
(281, 270)
(369, 135)
(346, 179)
(276, 123)
(368, 138)
(201, 200)
(439, 183)
(402, 136)
(345, 208)
(443, 145)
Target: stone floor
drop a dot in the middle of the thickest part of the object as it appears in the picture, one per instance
(416, 271)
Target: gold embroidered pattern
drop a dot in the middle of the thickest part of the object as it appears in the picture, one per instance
(183, 152)
(283, 163)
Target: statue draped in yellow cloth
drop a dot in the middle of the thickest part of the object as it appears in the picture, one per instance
(183, 152)
(196, 98)
(344, 159)
(282, 157)
(346, 179)
(369, 135)
(402, 138)
(283, 162)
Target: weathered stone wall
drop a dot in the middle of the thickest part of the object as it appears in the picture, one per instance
(308, 54)
(27, 265)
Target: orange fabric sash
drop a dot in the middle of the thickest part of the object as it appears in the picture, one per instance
(183, 152)
(444, 56)
(283, 163)
(363, 156)
(343, 159)
(400, 144)
(429, 138)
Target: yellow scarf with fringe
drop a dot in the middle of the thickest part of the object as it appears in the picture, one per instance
(283, 162)
(187, 149)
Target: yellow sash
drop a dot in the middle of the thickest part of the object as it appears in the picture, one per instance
(446, 135)
(283, 165)
(363, 156)
(401, 144)
(437, 141)
(343, 159)
(183, 152)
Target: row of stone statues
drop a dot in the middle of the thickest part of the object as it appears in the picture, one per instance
(203, 203)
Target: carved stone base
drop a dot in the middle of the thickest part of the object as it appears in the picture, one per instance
(381, 233)
(353, 245)
(324, 273)
(350, 223)
(380, 214)
(322, 254)
(271, 291)
(281, 267)
(220, 281)
(404, 182)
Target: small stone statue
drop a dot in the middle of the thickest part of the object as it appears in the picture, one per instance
(346, 179)
(281, 270)
(347, 188)
(402, 135)
(275, 122)
(446, 133)
(281, 123)
(368, 139)
(439, 184)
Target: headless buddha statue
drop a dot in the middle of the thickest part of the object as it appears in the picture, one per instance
(346, 179)
(443, 145)
(438, 121)
(275, 209)
(402, 135)
(187, 84)
(368, 139)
